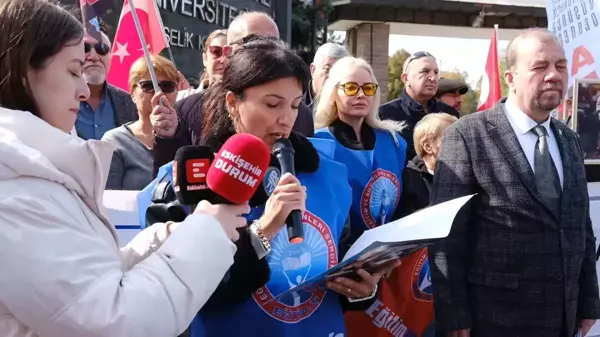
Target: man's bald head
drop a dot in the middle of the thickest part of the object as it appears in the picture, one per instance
(539, 34)
(251, 23)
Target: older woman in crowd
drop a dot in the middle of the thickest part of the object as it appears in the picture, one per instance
(131, 167)
(212, 59)
(418, 175)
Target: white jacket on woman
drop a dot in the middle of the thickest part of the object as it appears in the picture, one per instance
(62, 273)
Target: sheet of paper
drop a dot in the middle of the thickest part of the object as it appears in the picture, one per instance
(375, 249)
(429, 223)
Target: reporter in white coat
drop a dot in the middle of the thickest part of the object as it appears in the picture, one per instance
(62, 273)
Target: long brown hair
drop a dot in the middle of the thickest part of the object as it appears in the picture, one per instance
(215, 34)
(32, 32)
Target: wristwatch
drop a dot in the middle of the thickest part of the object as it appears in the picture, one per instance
(259, 241)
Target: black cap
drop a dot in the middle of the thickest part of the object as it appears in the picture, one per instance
(447, 85)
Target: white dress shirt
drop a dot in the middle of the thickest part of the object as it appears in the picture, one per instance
(523, 125)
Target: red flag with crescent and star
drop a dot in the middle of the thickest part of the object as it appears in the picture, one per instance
(127, 47)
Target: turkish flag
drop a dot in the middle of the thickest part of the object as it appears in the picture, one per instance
(491, 92)
(127, 47)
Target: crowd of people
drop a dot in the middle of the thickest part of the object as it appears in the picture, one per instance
(519, 261)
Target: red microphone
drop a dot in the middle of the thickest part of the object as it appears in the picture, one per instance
(239, 168)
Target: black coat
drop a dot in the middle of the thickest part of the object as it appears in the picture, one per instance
(416, 187)
(407, 110)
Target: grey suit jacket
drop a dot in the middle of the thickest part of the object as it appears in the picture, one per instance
(509, 267)
(125, 109)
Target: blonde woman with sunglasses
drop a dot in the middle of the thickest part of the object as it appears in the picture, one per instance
(374, 153)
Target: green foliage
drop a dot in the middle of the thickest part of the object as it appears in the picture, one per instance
(395, 64)
(309, 24)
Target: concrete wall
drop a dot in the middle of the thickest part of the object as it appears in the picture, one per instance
(371, 42)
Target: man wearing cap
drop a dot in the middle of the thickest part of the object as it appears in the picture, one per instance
(450, 91)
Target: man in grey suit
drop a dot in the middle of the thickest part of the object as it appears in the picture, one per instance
(520, 259)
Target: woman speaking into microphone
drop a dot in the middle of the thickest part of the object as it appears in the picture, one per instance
(259, 94)
(62, 273)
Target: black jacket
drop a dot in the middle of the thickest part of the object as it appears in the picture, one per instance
(405, 109)
(416, 187)
(189, 112)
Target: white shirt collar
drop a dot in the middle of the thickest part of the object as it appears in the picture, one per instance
(519, 119)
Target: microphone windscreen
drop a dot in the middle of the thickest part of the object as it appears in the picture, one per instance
(282, 144)
(238, 168)
(190, 170)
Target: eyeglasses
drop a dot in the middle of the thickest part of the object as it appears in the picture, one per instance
(352, 88)
(165, 86)
(416, 56)
(100, 48)
(217, 51)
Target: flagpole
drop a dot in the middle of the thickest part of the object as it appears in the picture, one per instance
(162, 29)
(497, 35)
(140, 32)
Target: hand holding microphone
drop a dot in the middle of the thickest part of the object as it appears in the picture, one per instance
(163, 117)
(288, 196)
(230, 216)
(221, 184)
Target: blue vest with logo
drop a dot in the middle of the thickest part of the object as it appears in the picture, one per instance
(315, 314)
(375, 177)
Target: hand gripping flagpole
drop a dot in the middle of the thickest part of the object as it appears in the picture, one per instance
(140, 32)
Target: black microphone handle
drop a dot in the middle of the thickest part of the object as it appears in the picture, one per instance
(295, 228)
(286, 161)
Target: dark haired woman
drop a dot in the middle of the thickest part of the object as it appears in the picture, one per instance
(62, 272)
(259, 94)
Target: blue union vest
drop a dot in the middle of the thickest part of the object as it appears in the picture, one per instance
(375, 177)
(313, 314)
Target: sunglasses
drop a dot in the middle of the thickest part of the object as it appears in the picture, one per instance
(352, 88)
(165, 86)
(217, 51)
(100, 48)
(416, 56)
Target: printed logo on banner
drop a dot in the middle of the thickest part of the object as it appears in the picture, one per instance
(421, 279)
(292, 264)
(379, 198)
(271, 179)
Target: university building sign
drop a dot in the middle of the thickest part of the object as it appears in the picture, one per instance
(189, 22)
(207, 12)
